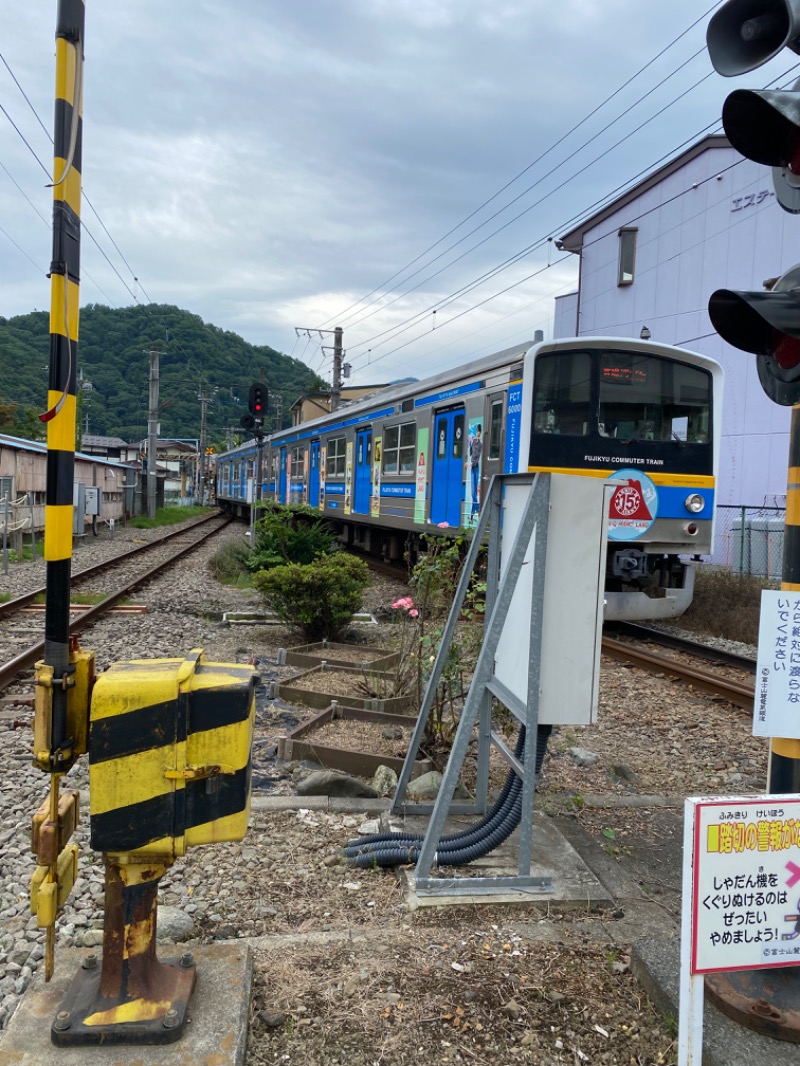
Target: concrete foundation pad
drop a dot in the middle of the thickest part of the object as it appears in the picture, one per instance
(574, 884)
(655, 962)
(215, 1033)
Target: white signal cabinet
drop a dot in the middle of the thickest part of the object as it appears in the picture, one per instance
(571, 619)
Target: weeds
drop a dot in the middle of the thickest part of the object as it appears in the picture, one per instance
(230, 564)
(167, 516)
(725, 605)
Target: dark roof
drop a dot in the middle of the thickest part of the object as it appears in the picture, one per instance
(91, 440)
(573, 241)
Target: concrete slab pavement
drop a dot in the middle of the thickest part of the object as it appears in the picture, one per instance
(215, 1033)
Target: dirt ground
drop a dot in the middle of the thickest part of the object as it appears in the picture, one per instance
(345, 973)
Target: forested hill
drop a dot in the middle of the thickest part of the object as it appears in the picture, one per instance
(113, 358)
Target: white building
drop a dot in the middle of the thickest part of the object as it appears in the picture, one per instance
(706, 220)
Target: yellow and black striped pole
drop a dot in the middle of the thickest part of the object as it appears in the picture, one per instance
(61, 404)
(784, 756)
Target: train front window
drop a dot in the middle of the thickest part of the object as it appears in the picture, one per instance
(646, 397)
(562, 391)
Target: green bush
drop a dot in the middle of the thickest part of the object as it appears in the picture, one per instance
(320, 597)
(290, 535)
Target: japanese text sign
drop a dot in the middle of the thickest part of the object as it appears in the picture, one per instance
(746, 883)
(776, 709)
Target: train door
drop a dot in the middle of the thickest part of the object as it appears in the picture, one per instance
(447, 478)
(361, 495)
(282, 478)
(313, 475)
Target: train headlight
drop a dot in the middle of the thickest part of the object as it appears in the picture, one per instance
(695, 503)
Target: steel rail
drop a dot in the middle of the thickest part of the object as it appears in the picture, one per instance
(670, 640)
(739, 693)
(27, 658)
(8, 607)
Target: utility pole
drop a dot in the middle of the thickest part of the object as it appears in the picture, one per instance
(336, 391)
(152, 434)
(338, 353)
(278, 413)
(201, 465)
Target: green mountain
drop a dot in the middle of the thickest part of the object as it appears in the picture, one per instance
(113, 358)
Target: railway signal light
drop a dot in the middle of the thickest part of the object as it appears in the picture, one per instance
(764, 126)
(768, 325)
(257, 400)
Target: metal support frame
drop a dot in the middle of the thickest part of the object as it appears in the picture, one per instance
(484, 689)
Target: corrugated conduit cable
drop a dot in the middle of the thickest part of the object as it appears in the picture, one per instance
(455, 849)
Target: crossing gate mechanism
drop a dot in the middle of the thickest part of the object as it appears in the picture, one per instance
(539, 659)
(169, 768)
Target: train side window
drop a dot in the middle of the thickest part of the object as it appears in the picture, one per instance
(495, 429)
(458, 436)
(399, 447)
(334, 459)
(298, 462)
(561, 393)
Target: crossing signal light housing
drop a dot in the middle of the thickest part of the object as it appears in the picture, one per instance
(768, 325)
(765, 127)
(744, 34)
(257, 400)
(247, 422)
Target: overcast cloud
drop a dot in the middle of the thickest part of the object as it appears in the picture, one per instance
(266, 164)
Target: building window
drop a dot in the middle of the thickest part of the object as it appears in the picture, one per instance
(399, 447)
(627, 255)
(334, 459)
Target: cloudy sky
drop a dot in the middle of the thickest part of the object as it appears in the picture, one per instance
(269, 164)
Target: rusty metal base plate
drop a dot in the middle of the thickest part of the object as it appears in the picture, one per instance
(83, 1000)
(767, 1001)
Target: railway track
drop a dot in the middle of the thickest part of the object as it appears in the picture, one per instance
(21, 656)
(739, 692)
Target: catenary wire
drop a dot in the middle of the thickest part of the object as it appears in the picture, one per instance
(599, 107)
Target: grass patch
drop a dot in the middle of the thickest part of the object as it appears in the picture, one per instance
(726, 605)
(230, 564)
(84, 599)
(168, 516)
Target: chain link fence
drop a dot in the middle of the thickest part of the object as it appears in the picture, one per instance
(749, 540)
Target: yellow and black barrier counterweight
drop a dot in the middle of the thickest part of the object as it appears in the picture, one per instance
(169, 752)
(170, 749)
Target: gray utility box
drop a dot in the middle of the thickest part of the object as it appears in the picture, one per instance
(571, 619)
(94, 500)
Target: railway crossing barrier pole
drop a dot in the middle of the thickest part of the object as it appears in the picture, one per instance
(170, 745)
(54, 741)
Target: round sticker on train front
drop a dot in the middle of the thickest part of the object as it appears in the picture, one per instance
(633, 506)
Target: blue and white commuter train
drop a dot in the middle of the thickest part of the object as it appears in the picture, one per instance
(396, 464)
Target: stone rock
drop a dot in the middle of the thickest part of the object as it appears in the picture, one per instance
(333, 783)
(427, 786)
(583, 757)
(624, 773)
(385, 781)
(272, 1019)
(174, 924)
